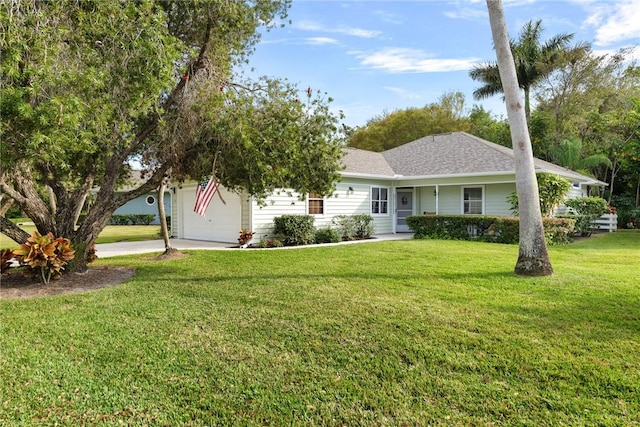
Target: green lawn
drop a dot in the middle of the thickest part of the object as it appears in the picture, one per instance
(385, 333)
(110, 234)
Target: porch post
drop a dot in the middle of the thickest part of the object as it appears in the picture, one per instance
(437, 199)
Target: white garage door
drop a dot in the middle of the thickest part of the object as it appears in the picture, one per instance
(221, 222)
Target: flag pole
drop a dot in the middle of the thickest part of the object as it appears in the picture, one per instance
(213, 175)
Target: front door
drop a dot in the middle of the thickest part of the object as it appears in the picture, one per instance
(404, 208)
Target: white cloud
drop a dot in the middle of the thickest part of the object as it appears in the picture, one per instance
(321, 40)
(389, 17)
(468, 13)
(350, 31)
(403, 60)
(623, 24)
(404, 93)
(629, 53)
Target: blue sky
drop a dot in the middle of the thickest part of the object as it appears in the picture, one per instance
(376, 56)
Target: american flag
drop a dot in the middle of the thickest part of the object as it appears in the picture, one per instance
(204, 193)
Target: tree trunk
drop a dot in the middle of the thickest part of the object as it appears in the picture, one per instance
(5, 206)
(614, 172)
(163, 219)
(12, 231)
(52, 201)
(533, 257)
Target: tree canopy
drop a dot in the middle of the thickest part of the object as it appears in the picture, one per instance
(89, 86)
(399, 127)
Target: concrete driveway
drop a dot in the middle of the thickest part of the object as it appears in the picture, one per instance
(107, 250)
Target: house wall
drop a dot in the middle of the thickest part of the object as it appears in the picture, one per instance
(342, 202)
(358, 201)
(425, 200)
(495, 196)
(450, 199)
(140, 206)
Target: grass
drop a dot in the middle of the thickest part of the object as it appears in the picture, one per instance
(110, 234)
(385, 333)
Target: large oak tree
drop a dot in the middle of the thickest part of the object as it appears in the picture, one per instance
(87, 87)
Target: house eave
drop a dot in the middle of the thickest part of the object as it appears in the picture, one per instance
(366, 175)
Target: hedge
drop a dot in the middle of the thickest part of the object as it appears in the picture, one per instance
(497, 229)
(132, 219)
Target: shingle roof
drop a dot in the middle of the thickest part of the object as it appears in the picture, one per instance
(366, 162)
(444, 154)
(448, 154)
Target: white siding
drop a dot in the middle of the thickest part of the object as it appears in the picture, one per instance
(425, 200)
(276, 205)
(449, 200)
(342, 202)
(495, 199)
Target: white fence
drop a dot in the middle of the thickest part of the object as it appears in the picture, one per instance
(608, 222)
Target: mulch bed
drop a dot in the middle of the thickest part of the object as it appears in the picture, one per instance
(17, 285)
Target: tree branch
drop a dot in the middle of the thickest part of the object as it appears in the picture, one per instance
(12, 231)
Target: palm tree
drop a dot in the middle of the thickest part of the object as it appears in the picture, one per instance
(533, 60)
(533, 257)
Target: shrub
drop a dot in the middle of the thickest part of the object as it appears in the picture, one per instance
(295, 229)
(587, 209)
(350, 227)
(327, 235)
(593, 206)
(363, 225)
(45, 255)
(345, 227)
(269, 243)
(551, 191)
(496, 229)
(628, 213)
(558, 231)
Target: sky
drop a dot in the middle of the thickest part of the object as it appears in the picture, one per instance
(374, 57)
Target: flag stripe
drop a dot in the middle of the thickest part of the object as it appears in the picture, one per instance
(204, 193)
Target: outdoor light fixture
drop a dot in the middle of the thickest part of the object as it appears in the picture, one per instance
(350, 191)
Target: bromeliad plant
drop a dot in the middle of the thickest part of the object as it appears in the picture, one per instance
(44, 255)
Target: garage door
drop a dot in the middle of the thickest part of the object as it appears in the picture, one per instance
(221, 222)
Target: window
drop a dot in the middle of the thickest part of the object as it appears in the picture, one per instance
(472, 201)
(316, 204)
(379, 200)
(151, 200)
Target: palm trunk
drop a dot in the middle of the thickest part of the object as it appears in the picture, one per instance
(533, 257)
